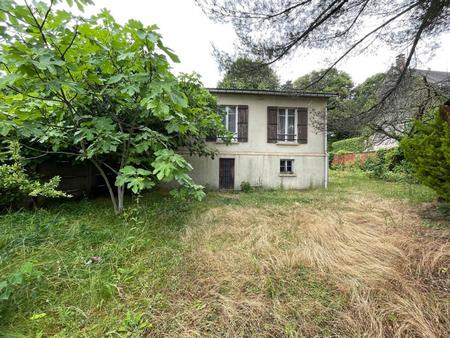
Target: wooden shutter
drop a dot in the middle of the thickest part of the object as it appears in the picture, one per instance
(272, 127)
(242, 123)
(302, 125)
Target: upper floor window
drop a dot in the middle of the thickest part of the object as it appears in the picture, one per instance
(230, 118)
(287, 121)
(287, 125)
(235, 120)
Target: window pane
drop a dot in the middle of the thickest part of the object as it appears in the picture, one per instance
(223, 114)
(281, 124)
(289, 166)
(282, 166)
(291, 124)
(232, 119)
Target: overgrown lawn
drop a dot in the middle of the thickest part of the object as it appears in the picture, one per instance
(363, 257)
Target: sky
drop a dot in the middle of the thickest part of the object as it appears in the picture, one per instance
(188, 31)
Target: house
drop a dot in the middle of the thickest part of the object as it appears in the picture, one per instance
(279, 141)
(419, 91)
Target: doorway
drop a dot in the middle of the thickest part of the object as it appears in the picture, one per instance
(226, 173)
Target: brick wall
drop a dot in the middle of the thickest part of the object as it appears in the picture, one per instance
(347, 159)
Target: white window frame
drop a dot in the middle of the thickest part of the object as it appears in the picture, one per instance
(226, 108)
(285, 140)
(285, 166)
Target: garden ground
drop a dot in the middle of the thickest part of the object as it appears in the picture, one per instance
(363, 258)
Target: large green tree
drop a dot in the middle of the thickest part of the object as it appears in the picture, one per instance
(102, 92)
(334, 81)
(366, 94)
(428, 151)
(361, 99)
(244, 73)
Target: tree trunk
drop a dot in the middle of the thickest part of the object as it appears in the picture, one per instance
(108, 185)
(120, 196)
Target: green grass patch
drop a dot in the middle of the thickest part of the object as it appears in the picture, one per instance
(139, 254)
(355, 180)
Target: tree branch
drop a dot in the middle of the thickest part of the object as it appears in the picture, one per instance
(38, 26)
(365, 37)
(70, 44)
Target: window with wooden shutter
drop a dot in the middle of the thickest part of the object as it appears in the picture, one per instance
(242, 135)
(302, 125)
(272, 124)
(287, 131)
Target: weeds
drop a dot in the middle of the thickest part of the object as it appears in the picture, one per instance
(353, 260)
(136, 261)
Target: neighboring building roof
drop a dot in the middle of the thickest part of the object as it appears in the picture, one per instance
(434, 76)
(270, 92)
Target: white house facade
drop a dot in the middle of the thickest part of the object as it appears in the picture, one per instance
(276, 143)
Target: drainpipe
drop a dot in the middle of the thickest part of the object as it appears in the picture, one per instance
(325, 142)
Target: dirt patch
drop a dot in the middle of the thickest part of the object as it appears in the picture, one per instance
(366, 268)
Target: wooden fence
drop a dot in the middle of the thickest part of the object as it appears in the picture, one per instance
(77, 180)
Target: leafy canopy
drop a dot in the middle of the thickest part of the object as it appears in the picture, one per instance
(102, 92)
(334, 81)
(271, 30)
(427, 149)
(244, 73)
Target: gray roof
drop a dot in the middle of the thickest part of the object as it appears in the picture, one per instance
(434, 76)
(293, 93)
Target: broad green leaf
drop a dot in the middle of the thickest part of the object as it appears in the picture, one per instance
(128, 170)
(115, 78)
(100, 99)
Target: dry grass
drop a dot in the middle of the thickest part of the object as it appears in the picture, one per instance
(359, 268)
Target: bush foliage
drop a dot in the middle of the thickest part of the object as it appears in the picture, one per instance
(389, 165)
(101, 92)
(386, 164)
(428, 151)
(246, 186)
(15, 183)
(350, 145)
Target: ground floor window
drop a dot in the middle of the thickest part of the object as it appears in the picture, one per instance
(286, 166)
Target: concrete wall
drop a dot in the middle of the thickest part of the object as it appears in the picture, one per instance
(257, 161)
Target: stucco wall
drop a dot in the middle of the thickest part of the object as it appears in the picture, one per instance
(257, 161)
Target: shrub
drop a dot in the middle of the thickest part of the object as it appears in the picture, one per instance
(350, 145)
(16, 185)
(428, 151)
(246, 186)
(389, 165)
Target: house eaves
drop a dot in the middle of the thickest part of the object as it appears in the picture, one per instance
(291, 93)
